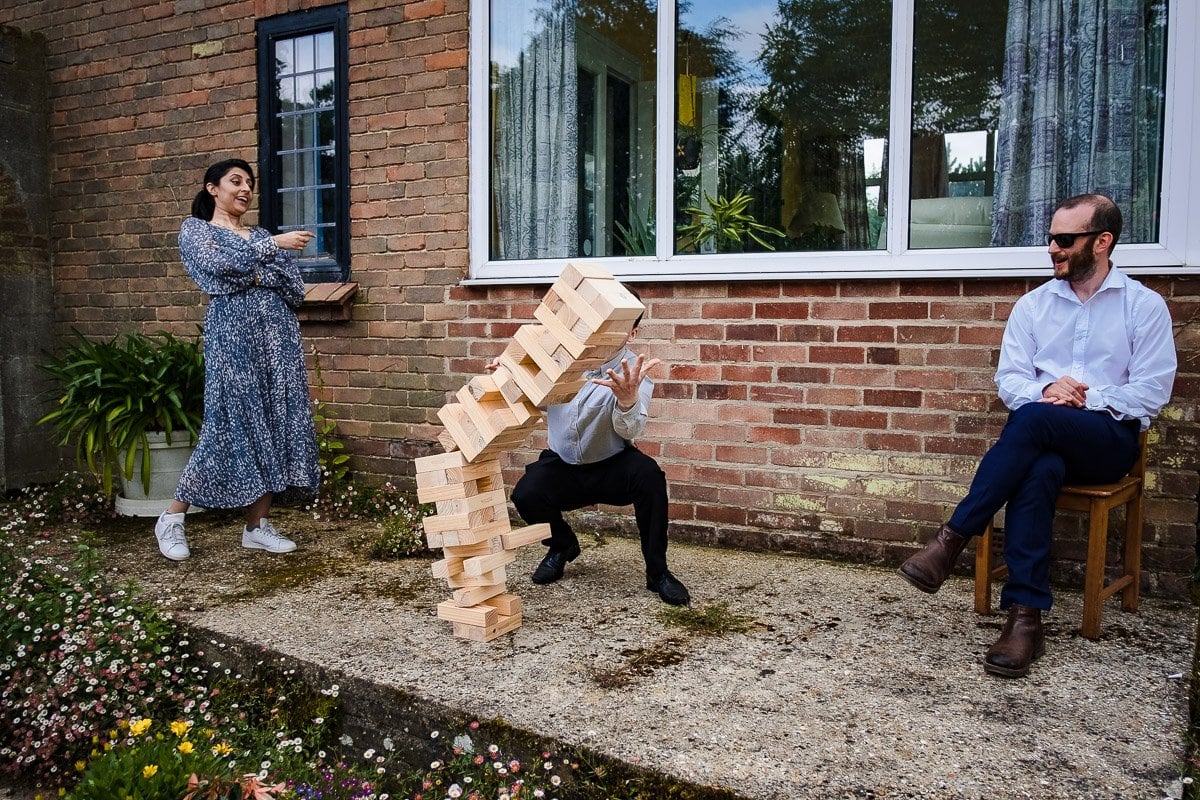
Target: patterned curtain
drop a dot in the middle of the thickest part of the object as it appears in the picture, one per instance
(535, 172)
(1081, 111)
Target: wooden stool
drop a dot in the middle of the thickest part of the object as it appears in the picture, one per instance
(1097, 500)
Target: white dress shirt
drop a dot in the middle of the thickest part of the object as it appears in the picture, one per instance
(1118, 344)
(591, 427)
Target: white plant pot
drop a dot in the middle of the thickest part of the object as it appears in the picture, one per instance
(166, 464)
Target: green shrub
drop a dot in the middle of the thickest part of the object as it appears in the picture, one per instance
(112, 393)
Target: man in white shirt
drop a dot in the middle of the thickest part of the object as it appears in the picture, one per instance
(1086, 361)
(591, 459)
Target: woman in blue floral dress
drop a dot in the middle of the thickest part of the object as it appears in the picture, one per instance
(257, 440)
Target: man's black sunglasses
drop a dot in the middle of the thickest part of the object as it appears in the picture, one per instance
(1065, 240)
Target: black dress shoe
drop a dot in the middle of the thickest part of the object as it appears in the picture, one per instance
(552, 566)
(669, 589)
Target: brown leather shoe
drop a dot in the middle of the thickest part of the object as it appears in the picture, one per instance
(1020, 644)
(928, 569)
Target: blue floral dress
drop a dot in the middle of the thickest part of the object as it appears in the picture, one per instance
(258, 435)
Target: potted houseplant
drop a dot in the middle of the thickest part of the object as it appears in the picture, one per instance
(120, 400)
(725, 226)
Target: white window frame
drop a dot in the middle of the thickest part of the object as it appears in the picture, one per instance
(1176, 253)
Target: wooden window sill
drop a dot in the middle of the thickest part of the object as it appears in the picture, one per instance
(327, 302)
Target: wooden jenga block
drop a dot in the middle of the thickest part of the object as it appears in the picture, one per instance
(459, 482)
(524, 412)
(527, 535)
(447, 567)
(482, 387)
(464, 581)
(561, 331)
(444, 523)
(575, 272)
(480, 615)
(533, 339)
(485, 633)
(433, 492)
(506, 604)
(480, 565)
(476, 594)
(491, 545)
(526, 374)
(447, 441)
(611, 300)
(439, 462)
(489, 413)
(469, 537)
(471, 504)
(468, 439)
(575, 312)
(507, 385)
(564, 390)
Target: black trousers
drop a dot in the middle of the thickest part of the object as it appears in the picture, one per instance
(551, 486)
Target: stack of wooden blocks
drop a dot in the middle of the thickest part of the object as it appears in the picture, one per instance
(584, 317)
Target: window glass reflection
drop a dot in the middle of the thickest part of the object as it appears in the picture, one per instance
(572, 128)
(782, 113)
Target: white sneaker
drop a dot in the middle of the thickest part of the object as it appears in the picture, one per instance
(169, 532)
(265, 537)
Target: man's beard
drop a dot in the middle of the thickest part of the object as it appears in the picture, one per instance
(1079, 266)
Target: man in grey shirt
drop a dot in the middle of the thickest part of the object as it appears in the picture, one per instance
(591, 459)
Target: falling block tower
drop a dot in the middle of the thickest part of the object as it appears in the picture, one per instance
(584, 317)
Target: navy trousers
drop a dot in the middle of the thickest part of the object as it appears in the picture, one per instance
(1041, 447)
(551, 486)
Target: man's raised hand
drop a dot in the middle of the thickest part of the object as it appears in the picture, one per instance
(625, 382)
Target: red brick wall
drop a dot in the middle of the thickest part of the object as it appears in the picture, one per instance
(833, 418)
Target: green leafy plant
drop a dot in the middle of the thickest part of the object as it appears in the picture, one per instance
(638, 238)
(152, 765)
(112, 393)
(725, 225)
(334, 464)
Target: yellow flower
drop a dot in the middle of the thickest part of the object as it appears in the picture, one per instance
(80, 765)
(149, 770)
(185, 747)
(139, 726)
(180, 728)
(221, 749)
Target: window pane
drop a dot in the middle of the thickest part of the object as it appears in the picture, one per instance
(304, 53)
(781, 119)
(327, 165)
(283, 57)
(1005, 124)
(304, 91)
(307, 124)
(326, 128)
(288, 174)
(290, 202)
(323, 93)
(327, 211)
(324, 44)
(572, 128)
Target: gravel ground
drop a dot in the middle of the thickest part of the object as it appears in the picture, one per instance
(827, 680)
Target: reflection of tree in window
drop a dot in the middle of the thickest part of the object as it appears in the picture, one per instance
(828, 65)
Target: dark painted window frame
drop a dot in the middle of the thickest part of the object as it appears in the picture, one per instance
(286, 26)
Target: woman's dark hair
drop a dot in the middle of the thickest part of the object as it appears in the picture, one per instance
(204, 205)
